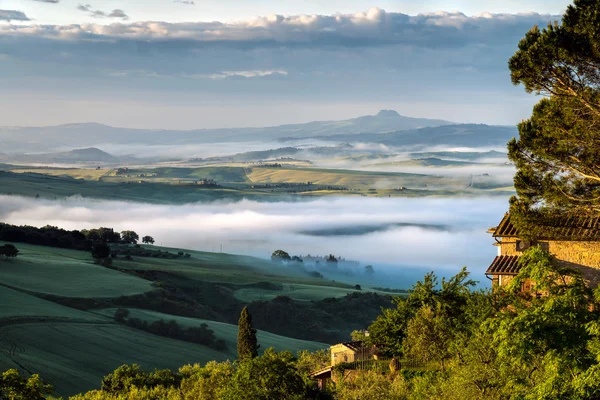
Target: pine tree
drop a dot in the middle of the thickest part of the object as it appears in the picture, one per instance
(247, 346)
(557, 154)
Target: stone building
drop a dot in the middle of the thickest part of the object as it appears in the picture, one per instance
(574, 241)
(349, 352)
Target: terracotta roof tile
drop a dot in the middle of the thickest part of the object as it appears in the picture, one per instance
(504, 265)
(566, 228)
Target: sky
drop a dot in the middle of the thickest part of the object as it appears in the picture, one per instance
(183, 64)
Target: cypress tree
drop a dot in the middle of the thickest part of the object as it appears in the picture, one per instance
(247, 345)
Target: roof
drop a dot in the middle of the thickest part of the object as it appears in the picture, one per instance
(504, 265)
(357, 345)
(560, 228)
(505, 229)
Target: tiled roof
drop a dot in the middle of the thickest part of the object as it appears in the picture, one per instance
(504, 265)
(561, 228)
(357, 345)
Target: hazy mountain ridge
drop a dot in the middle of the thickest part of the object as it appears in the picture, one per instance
(86, 155)
(464, 135)
(93, 134)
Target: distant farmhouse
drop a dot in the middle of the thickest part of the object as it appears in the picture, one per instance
(349, 352)
(574, 241)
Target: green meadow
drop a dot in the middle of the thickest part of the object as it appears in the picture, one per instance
(55, 320)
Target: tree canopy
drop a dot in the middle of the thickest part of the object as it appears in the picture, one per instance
(280, 255)
(557, 154)
(8, 250)
(129, 237)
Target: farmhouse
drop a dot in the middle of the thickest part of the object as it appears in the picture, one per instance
(349, 352)
(574, 241)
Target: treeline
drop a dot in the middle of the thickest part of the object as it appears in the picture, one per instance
(53, 236)
(201, 334)
(50, 236)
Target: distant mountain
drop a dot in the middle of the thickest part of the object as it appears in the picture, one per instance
(424, 162)
(78, 156)
(457, 135)
(463, 155)
(27, 139)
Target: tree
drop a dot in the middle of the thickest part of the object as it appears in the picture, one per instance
(270, 376)
(129, 237)
(148, 240)
(558, 151)
(280, 256)
(247, 344)
(15, 387)
(100, 251)
(369, 270)
(8, 250)
(297, 260)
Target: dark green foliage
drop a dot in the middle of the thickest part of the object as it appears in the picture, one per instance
(280, 256)
(148, 240)
(201, 334)
(129, 237)
(447, 302)
(100, 251)
(271, 376)
(13, 386)
(127, 376)
(47, 236)
(247, 344)
(558, 150)
(9, 250)
(104, 235)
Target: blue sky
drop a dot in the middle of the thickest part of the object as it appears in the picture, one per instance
(167, 64)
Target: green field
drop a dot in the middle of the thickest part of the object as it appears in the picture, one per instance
(176, 185)
(73, 349)
(227, 332)
(74, 357)
(67, 273)
(298, 292)
(27, 307)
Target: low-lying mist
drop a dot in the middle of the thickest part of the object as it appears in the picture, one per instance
(389, 233)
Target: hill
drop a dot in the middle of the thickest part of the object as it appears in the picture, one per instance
(92, 134)
(77, 156)
(424, 162)
(458, 135)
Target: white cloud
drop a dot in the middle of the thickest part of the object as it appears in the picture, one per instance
(373, 26)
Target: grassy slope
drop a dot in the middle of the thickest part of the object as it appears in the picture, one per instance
(53, 187)
(74, 357)
(224, 268)
(66, 273)
(75, 349)
(227, 332)
(31, 307)
(351, 179)
(298, 292)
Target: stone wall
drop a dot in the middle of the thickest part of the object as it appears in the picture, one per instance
(584, 256)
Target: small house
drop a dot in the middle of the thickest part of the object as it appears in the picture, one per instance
(349, 352)
(573, 241)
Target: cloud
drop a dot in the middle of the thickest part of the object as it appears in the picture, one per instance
(375, 27)
(48, 1)
(13, 15)
(116, 13)
(188, 2)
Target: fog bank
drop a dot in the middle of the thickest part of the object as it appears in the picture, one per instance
(439, 234)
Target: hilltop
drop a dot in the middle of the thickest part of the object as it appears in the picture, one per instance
(92, 134)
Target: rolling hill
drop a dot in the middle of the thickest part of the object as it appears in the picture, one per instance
(92, 134)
